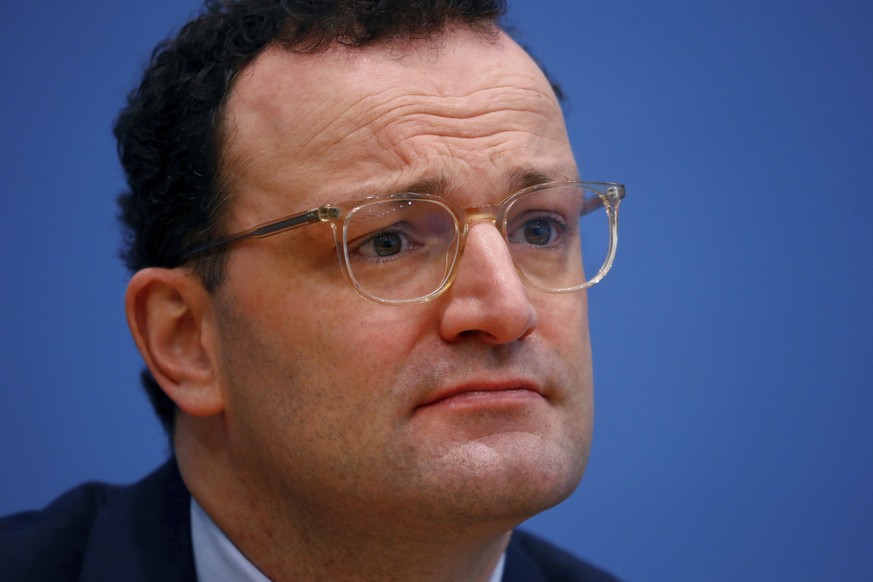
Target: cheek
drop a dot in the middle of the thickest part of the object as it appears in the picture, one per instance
(563, 323)
(352, 352)
(564, 327)
(376, 349)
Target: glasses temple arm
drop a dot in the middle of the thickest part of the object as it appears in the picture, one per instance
(264, 230)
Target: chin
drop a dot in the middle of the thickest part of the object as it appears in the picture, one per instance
(536, 482)
(509, 477)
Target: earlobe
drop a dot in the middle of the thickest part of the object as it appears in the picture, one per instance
(169, 314)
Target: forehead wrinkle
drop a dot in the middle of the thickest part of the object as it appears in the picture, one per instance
(343, 114)
(410, 140)
(411, 152)
(376, 110)
(476, 106)
(365, 110)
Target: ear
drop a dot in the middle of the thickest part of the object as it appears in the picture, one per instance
(170, 316)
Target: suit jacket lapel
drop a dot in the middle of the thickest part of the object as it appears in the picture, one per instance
(143, 533)
(519, 566)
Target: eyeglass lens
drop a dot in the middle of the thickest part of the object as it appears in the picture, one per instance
(404, 249)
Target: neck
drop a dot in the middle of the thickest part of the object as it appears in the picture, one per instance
(375, 557)
(290, 539)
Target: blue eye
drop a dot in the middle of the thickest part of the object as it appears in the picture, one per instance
(386, 244)
(538, 232)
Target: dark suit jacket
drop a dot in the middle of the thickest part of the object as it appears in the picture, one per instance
(142, 533)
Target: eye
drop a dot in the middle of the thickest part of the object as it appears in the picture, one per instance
(384, 244)
(389, 231)
(539, 231)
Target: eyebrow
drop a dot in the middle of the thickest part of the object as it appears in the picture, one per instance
(522, 178)
(518, 179)
(432, 186)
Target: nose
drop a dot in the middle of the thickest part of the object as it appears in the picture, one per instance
(487, 299)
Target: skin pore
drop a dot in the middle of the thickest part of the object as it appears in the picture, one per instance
(335, 438)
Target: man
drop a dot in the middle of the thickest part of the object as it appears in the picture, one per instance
(391, 415)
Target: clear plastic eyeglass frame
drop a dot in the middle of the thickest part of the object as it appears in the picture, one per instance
(604, 197)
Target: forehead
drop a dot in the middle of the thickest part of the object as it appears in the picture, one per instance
(317, 127)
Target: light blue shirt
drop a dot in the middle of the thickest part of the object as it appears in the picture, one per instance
(216, 558)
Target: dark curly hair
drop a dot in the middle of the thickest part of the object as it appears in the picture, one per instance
(170, 131)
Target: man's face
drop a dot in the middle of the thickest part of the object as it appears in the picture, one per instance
(475, 406)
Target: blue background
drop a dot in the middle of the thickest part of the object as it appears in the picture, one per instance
(732, 340)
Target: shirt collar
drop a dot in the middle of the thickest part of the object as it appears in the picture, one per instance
(215, 556)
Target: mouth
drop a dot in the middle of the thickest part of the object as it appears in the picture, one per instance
(485, 394)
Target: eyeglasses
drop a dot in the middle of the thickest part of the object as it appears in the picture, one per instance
(406, 248)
